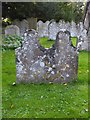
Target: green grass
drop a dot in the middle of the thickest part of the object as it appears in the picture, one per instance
(74, 41)
(48, 43)
(43, 100)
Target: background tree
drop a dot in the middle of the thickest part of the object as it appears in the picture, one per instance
(43, 10)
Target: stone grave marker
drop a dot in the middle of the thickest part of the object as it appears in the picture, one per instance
(32, 23)
(53, 30)
(23, 26)
(12, 30)
(35, 64)
(42, 28)
(17, 23)
(73, 29)
(45, 29)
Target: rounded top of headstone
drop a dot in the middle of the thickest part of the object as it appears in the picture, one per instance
(12, 26)
(47, 22)
(63, 32)
(52, 21)
(40, 21)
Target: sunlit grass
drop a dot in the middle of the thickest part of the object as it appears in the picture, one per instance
(74, 41)
(48, 43)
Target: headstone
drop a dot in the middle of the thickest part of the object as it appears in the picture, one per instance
(42, 28)
(53, 30)
(68, 26)
(17, 23)
(45, 29)
(73, 29)
(36, 64)
(32, 23)
(87, 22)
(12, 30)
(82, 34)
(24, 26)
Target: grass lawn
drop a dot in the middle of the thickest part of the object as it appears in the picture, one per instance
(44, 43)
(44, 100)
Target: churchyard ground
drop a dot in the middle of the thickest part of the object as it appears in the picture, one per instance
(44, 100)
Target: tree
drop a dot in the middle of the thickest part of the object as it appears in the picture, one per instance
(43, 10)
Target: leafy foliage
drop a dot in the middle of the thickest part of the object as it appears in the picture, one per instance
(11, 41)
(44, 10)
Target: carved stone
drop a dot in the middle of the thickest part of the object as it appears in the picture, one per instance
(36, 64)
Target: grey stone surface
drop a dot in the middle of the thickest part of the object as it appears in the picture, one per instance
(76, 30)
(87, 22)
(36, 64)
(29, 23)
(53, 30)
(17, 23)
(42, 28)
(12, 30)
(23, 26)
(73, 29)
(32, 23)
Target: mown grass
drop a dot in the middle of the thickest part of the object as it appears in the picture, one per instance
(74, 41)
(44, 100)
(48, 43)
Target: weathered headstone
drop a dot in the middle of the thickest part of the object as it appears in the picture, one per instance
(53, 30)
(82, 34)
(24, 26)
(42, 28)
(32, 23)
(17, 23)
(45, 29)
(68, 26)
(12, 30)
(73, 29)
(62, 24)
(37, 64)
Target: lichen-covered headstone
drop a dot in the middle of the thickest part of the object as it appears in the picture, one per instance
(12, 30)
(36, 64)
